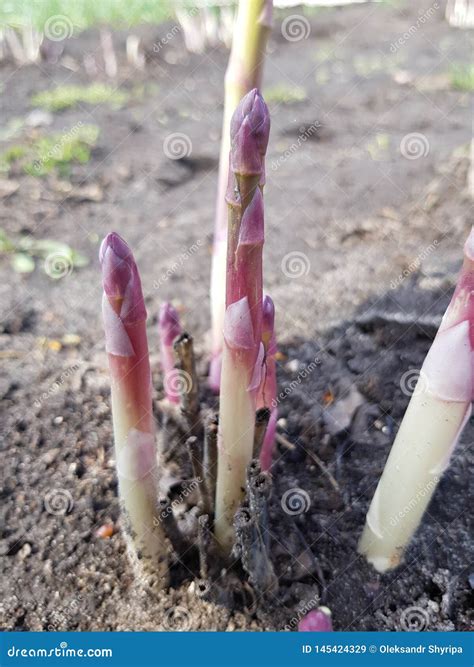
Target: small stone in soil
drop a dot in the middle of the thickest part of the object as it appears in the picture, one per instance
(105, 531)
(25, 551)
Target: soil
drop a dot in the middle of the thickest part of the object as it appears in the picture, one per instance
(378, 239)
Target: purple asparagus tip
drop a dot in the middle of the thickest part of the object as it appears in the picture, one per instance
(268, 326)
(317, 620)
(168, 323)
(249, 132)
(116, 259)
(268, 323)
(120, 279)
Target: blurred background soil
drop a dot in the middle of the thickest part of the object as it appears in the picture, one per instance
(367, 208)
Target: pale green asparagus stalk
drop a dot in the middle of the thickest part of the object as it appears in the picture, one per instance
(243, 354)
(244, 72)
(436, 415)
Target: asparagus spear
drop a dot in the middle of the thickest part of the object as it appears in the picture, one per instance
(244, 72)
(268, 389)
(436, 415)
(169, 329)
(243, 350)
(316, 620)
(124, 317)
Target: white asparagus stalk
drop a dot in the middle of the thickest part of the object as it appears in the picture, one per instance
(124, 317)
(236, 417)
(436, 415)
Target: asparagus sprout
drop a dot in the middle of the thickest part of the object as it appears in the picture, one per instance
(243, 354)
(268, 388)
(244, 72)
(124, 316)
(316, 620)
(436, 415)
(169, 329)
